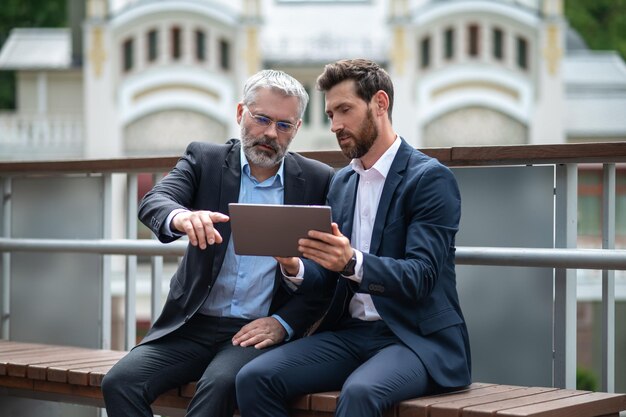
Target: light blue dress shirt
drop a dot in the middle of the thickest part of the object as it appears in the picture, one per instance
(244, 286)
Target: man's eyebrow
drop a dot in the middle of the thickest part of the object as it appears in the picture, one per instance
(275, 120)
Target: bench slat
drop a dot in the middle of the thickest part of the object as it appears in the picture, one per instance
(59, 374)
(595, 403)
(40, 370)
(451, 408)
(419, 407)
(17, 358)
(483, 410)
(324, 401)
(188, 390)
(82, 376)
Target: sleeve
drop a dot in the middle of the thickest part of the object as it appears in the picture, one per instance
(175, 191)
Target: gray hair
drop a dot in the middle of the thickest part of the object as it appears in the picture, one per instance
(278, 81)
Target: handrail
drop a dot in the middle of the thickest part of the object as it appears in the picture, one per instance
(603, 259)
(459, 156)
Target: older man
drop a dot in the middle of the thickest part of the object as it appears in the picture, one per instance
(222, 309)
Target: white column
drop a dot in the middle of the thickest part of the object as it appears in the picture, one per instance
(103, 132)
(546, 68)
(42, 93)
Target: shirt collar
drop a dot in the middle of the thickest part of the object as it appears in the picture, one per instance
(383, 164)
(245, 168)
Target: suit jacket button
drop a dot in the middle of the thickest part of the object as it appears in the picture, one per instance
(376, 288)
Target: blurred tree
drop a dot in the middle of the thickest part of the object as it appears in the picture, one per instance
(586, 380)
(601, 23)
(26, 14)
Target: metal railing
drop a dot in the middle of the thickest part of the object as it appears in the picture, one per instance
(600, 259)
(564, 257)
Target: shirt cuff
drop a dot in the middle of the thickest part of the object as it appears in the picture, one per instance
(297, 279)
(287, 327)
(166, 229)
(358, 268)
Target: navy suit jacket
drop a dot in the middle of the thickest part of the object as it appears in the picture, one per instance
(409, 271)
(208, 177)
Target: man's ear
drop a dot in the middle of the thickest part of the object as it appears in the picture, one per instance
(381, 102)
(239, 112)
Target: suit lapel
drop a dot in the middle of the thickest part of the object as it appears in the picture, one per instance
(294, 182)
(394, 178)
(231, 179)
(346, 216)
(229, 192)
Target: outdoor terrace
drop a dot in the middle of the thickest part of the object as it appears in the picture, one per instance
(69, 232)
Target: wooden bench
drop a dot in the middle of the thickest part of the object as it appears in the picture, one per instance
(73, 375)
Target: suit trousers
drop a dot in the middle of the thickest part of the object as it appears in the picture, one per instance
(373, 369)
(201, 350)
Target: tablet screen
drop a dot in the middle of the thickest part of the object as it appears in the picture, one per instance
(274, 230)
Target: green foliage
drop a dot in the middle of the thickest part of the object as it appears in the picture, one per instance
(26, 14)
(31, 14)
(586, 380)
(602, 23)
(7, 90)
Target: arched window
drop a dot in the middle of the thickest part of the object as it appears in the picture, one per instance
(497, 39)
(152, 43)
(425, 52)
(224, 54)
(473, 40)
(522, 53)
(176, 43)
(200, 45)
(127, 55)
(448, 43)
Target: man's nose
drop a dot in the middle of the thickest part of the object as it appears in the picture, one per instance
(271, 130)
(335, 125)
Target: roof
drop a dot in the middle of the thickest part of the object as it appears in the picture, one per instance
(595, 93)
(37, 49)
(594, 68)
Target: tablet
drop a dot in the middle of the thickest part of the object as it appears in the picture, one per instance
(272, 229)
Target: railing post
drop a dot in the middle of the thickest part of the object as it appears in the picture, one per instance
(156, 274)
(608, 280)
(130, 317)
(566, 203)
(107, 222)
(5, 281)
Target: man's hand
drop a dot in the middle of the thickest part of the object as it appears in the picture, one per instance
(332, 251)
(290, 265)
(260, 333)
(198, 226)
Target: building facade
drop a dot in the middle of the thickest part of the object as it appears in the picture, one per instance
(149, 76)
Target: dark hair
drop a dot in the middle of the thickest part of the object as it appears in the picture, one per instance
(368, 76)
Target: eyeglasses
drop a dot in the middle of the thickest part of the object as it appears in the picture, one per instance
(284, 127)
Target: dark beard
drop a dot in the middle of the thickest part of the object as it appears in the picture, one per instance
(363, 139)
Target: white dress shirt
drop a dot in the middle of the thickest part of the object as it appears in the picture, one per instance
(368, 194)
